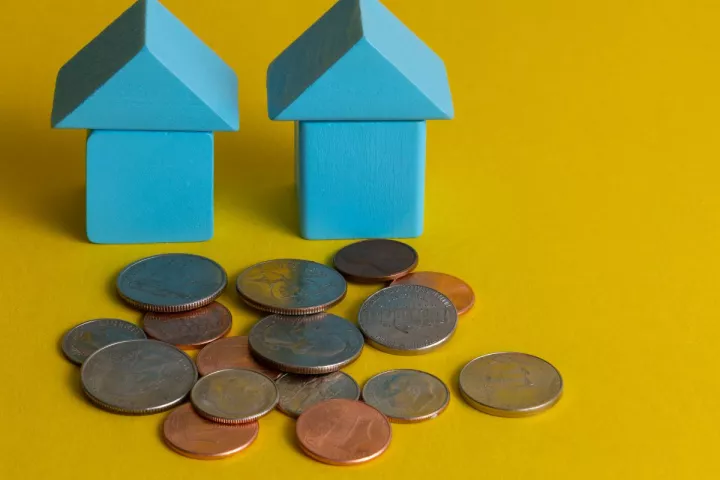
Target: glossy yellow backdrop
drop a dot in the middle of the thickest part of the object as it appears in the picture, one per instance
(577, 190)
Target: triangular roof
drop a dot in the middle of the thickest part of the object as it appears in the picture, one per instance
(146, 71)
(358, 62)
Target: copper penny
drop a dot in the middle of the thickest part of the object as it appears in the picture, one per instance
(459, 292)
(191, 329)
(232, 352)
(375, 261)
(343, 432)
(190, 435)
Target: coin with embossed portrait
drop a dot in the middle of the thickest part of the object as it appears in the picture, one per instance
(407, 319)
(191, 329)
(138, 376)
(311, 344)
(299, 392)
(234, 396)
(83, 340)
(232, 352)
(375, 261)
(291, 287)
(510, 384)
(458, 291)
(406, 396)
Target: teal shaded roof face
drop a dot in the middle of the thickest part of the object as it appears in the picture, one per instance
(146, 71)
(358, 62)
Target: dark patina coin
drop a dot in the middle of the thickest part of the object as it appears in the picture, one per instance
(376, 261)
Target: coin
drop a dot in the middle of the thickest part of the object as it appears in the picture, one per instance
(311, 344)
(299, 392)
(232, 352)
(510, 384)
(375, 261)
(172, 282)
(234, 396)
(83, 340)
(138, 376)
(189, 329)
(407, 319)
(406, 396)
(291, 287)
(459, 292)
(191, 435)
(343, 432)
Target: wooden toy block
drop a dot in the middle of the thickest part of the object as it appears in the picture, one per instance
(147, 187)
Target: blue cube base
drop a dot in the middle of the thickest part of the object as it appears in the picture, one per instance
(360, 179)
(149, 187)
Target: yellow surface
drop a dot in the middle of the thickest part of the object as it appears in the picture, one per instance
(576, 190)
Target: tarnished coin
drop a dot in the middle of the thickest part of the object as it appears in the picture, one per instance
(376, 261)
(189, 329)
(406, 396)
(407, 319)
(311, 344)
(83, 340)
(510, 384)
(291, 287)
(299, 392)
(172, 282)
(232, 352)
(234, 396)
(138, 376)
(191, 435)
(459, 292)
(343, 432)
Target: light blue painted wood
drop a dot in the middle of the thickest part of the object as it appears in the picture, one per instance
(146, 71)
(149, 187)
(358, 62)
(360, 179)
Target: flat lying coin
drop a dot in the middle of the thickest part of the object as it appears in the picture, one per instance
(376, 261)
(232, 352)
(459, 292)
(190, 435)
(312, 344)
(191, 329)
(510, 384)
(83, 340)
(291, 287)
(138, 376)
(299, 392)
(407, 319)
(172, 282)
(234, 396)
(343, 432)
(406, 396)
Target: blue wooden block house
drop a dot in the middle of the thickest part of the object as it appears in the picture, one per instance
(151, 94)
(360, 86)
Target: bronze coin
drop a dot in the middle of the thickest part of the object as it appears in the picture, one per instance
(343, 432)
(375, 261)
(459, 292)
(190, 435)
(191, 329)
(232, 352)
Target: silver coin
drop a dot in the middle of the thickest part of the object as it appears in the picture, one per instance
(138, 376)
(83, 340)
(407, 319)
(312, 344)
(298, 392)
(172, 282)
(510, 384)
(234, 396)
(407, 396)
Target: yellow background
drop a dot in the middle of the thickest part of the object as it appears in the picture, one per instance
(576, 191)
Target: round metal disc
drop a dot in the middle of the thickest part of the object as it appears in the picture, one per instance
(172, 282)
(407, 396)
(191, 329)
(83, 340)
(312, 344)
(376, 261)
(299, 392)
(138, 376)
(458, 291)
(407, 319)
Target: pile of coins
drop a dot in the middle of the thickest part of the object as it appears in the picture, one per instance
(291, 359)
